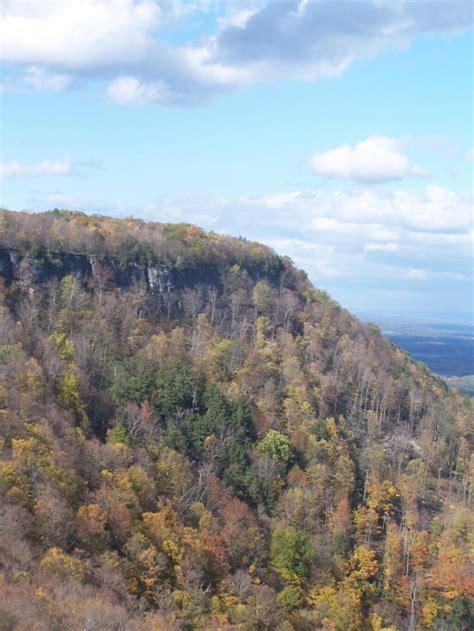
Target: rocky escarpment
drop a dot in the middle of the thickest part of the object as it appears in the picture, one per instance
(33, 269)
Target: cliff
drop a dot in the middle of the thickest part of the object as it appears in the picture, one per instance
(33, 270)
(36, 248)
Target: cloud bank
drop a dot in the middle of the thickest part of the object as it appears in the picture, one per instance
(362, 234)
(126, 44)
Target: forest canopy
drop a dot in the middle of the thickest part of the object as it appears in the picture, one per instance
(192, 436)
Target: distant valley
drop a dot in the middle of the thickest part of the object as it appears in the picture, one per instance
(447, 348)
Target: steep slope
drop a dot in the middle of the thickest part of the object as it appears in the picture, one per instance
(194, 437)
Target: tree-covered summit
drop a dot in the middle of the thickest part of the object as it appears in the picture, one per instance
(133, 240)
(194, 437)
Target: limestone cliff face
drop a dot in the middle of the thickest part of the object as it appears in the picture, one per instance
(30, 270)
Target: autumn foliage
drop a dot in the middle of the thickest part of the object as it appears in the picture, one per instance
(228, 449)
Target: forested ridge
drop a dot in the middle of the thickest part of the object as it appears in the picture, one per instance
(193, 437)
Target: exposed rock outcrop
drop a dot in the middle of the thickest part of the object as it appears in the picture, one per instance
(161, 278)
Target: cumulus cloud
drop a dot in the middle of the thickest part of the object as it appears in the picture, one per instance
(124, 43)
(77, 35)
(436, 209)
(14, 169)
(376, 159)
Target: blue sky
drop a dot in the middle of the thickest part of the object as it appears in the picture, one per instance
(340, 133)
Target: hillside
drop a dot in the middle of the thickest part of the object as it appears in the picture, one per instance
(194, 437)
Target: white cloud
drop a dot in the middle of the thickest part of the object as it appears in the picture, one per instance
(439, 209)
(77, 35)
(337, 226)
(42, 80)
(14, 169)
(368, 219)
(124, 90)
(130, 90)
(436, 214)
(120, 41)
(365, 233)
(376, 159)
(318, 258)
(436, 209)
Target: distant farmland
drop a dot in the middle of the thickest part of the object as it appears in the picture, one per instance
(444, 355)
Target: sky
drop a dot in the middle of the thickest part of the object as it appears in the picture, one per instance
(338, 132)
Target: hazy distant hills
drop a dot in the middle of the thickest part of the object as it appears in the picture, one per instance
(447, 348)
